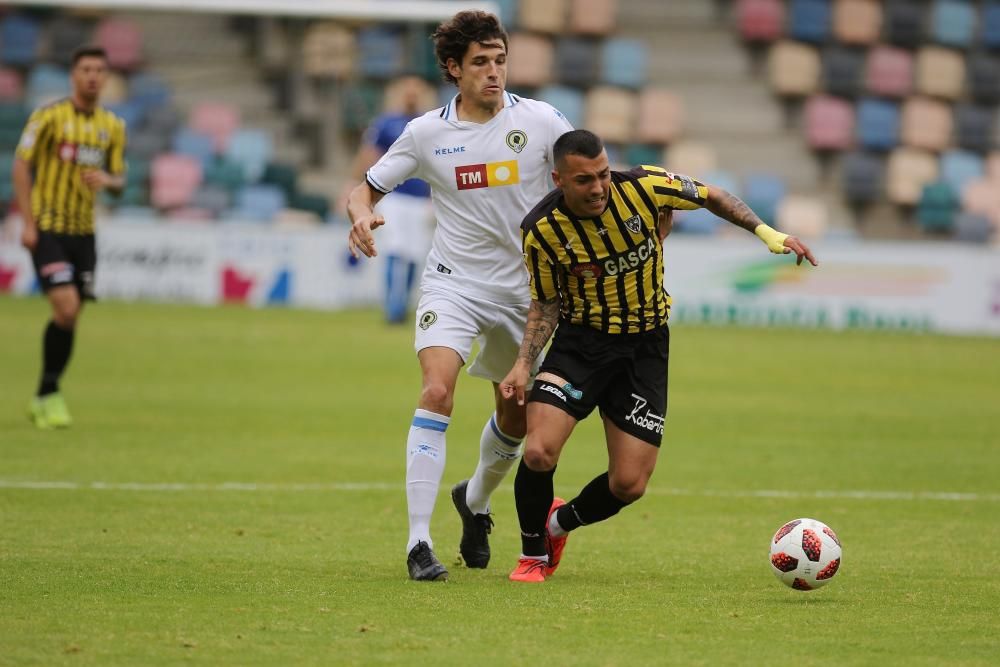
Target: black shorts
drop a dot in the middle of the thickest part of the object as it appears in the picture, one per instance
(625, 375)
(66, 259)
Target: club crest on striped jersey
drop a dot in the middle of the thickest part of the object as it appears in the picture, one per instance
(634, 224)
(587, 271)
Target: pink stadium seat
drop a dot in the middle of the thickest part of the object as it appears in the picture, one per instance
(547, 17)
(857, 21)
(889, 71)
(592, 17)
(909, 170)
(530, 62)
(829, 122)
(760, 20)
(660, 116)
(11, 85)
(793, 68)
(217, 120)
(926, 124)
(611, 113)
(174, 180)
(940, 72)
(122, 39)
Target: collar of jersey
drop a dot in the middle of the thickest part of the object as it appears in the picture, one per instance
(451, 111)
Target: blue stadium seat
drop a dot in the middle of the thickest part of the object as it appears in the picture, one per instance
(991, 25)
(623, 63)
(862, 177)
(960, 167)
(763, 194)
(381, 52)
(576, 61)
(953, 22)
(252, 150)
(194, 144)
(636, 154)
(507, 13)
(19, 36)
(149, 91)
(878, 124)
(46, 84)
(258, 203)
(129, 111)
(569, 102)
(809, 20)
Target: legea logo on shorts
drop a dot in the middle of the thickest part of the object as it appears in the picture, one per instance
(489, 175)
(648, 421)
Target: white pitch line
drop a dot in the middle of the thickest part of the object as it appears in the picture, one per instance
(383, 486)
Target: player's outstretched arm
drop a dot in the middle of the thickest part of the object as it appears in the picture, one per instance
(543, 316)
(360, 209)
(732, 208)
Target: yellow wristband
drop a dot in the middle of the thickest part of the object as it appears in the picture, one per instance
(774, 239)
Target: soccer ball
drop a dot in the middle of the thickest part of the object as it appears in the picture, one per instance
(805, 554)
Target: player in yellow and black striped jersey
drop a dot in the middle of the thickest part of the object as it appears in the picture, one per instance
(593, 249)
(69, 151)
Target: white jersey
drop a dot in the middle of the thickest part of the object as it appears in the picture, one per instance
(484, 178)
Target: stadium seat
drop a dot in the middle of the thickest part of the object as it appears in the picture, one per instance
(908, 171)
(174, 179)
(224, 174)
(258, 203)
(793, 69)
(937, 207)
(623, 63)
(889, 71)
(66, 33)
(593, 17)
(993, 167)
(903, 23)
(380, 52)
(577, 61)
(763, 194)
(972, 228)
(19, 39)
(212, 198)
(958, 168)
(145, 144)
(217, 120)
(803, 216)
(130, 112)
(973, 127)
(940, 72)
(317, 204)
(6, 172)
(46, 84)
(252, 150)
(829, 123)
(636, 154)
(981, 197)
(991, 25)
(857, 22)
(760, 20)
(188, 141)
(878, 124)
(507, 12)
(809, 20)
(546, 17)
(329, 50)
(153, 93)
(926, 124)
(690, 157)
(122, 40)
(611, 113)
(952, 23)
(660, 116)
(843, 70)
(569, 102)
(284, 176)
(862, 177)
(11, 85)
(984, 84)
(530, 60)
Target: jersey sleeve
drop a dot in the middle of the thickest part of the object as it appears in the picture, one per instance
(558, 126)
(399, 163)
(116, 151)
(36, 132)
(542, 276)
(673, 190)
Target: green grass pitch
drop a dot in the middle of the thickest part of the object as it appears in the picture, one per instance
(140, 554)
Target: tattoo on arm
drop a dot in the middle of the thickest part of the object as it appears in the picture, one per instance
(732, 208)
(542, 319)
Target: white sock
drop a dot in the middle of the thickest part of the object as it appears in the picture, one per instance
(498, 452)
(425, 456)
(555, 530)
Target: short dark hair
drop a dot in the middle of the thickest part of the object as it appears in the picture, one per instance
(453, 37)
(88, 51)
(577, 142)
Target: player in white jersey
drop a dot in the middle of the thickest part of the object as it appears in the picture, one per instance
(487, 156)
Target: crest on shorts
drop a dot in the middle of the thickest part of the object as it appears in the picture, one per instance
(634, 224)
(427, 319)
(517, 140)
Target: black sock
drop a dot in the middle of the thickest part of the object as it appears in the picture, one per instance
(57, 345)
(533, 496)
(595, 503)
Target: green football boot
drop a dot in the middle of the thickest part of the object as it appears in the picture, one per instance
(56, 412)
(36, 413)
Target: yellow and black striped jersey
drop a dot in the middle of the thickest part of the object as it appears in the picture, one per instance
(608, 271)
(61, 142)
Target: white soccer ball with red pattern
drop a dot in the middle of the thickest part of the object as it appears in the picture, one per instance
(805, 554)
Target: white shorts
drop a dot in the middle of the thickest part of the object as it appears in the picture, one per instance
(446, 319)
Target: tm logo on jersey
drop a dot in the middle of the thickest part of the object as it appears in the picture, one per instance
(489, 175)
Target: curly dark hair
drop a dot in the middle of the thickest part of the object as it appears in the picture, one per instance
(453, 37)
